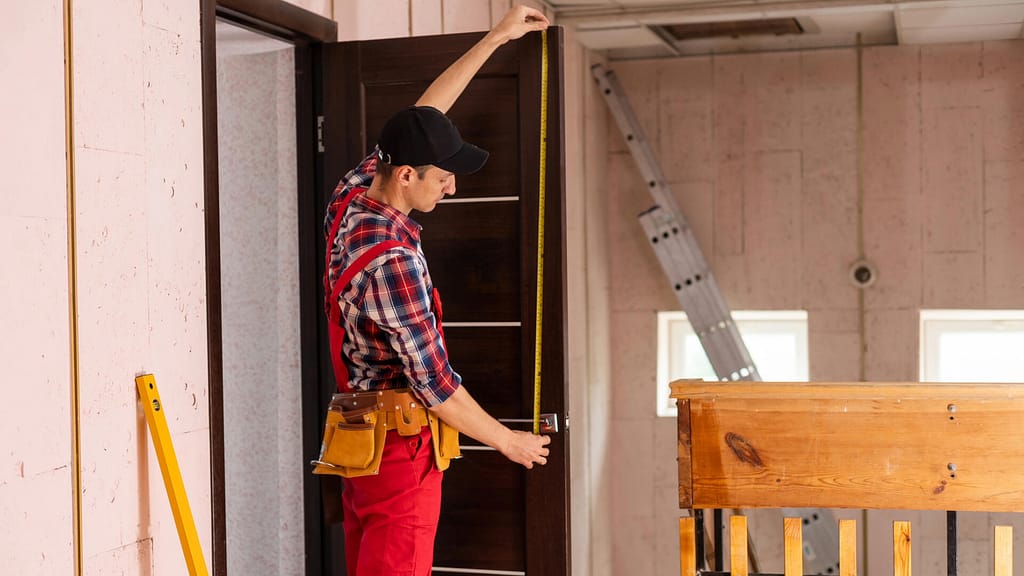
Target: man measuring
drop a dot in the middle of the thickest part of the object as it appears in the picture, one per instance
(389, 432)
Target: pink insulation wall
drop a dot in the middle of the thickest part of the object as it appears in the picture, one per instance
(140, 286)
(761, 151)
(35, 470)
(141, 275)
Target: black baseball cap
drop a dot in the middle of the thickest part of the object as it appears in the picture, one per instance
(421, 135)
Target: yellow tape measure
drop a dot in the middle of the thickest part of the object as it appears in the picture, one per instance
(540, 228)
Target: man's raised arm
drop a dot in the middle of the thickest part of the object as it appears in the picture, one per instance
(447, 88)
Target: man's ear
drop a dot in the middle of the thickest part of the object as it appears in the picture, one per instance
(405, 174)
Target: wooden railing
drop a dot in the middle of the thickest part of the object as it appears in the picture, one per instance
(912, 446)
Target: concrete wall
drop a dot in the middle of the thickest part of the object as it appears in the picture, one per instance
(761, 153)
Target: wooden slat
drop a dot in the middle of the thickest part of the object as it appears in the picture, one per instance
(901, 549)
(684, 457)
(793, 530)
(847, 548)
(1004, 551)
(738, 545)
(854, 446)
(687, 548)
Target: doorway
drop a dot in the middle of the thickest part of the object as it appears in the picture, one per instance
(259, 301)
(258, 131)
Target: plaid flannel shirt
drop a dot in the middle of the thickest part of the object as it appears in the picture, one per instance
(391, 334)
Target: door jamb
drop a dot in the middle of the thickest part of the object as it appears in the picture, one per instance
(303, 29)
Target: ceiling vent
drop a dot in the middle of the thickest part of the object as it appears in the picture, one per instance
(734, 29)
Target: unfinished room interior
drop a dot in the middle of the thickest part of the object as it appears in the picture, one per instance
(755, 268)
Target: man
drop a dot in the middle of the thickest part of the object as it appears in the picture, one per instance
(385, 317)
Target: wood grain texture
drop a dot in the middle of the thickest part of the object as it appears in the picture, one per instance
(847, 548)
(863, 445)
(738, 545)
(684, 458)
(1003, 551)
(793, 537)
(901, 549)
(687, 547)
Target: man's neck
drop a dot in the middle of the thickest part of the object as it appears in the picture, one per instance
(389, 195)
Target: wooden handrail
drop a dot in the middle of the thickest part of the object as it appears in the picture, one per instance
(918, 446)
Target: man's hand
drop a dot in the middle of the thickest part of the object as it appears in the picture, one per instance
(517, 22)
(461, 411)
(526, 449)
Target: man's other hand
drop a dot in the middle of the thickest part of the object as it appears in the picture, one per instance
(526, 449)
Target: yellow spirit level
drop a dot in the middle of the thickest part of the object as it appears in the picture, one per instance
(154, 408)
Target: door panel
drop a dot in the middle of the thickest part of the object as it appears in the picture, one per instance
(474, 259)
(482, 254)
(488, 359)
(482, 528)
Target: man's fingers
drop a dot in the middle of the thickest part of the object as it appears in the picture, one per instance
(545, 440)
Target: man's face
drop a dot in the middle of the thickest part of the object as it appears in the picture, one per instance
(431, 188)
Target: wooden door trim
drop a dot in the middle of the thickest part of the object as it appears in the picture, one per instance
(303, 29)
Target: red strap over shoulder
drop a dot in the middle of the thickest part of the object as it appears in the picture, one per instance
(335, 331)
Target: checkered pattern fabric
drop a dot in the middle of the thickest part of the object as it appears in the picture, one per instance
(393, 338)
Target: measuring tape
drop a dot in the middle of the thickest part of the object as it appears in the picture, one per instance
(540, 228)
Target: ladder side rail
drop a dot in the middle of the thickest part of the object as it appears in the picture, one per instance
(684, 264)
(636, 138)
(694, 302)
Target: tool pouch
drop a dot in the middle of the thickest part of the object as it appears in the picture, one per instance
(446, 442)
(353, 443)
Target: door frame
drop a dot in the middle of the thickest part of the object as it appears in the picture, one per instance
(303, 29)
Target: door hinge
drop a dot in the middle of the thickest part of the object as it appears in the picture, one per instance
(319, 133)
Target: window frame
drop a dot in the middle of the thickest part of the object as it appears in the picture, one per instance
(931, 322)
(760, 318)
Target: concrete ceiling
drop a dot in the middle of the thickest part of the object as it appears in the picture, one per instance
(632, 28)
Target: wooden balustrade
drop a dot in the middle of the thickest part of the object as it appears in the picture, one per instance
(911, 446)
(793, 548)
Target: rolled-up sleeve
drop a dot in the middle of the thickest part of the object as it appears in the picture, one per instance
(397, 300)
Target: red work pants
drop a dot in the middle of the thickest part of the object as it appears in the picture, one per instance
(391, 517)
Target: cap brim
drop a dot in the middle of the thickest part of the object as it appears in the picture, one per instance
(467, 160)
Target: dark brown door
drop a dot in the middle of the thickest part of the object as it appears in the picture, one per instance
(481, 246)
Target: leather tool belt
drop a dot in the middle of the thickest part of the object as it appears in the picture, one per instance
(357, 423)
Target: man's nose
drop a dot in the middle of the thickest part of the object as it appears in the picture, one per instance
(450, 190)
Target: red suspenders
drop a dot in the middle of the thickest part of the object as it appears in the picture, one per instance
(335, 329)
